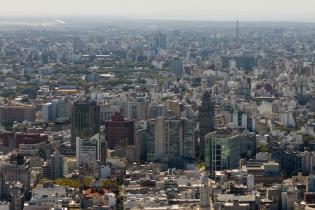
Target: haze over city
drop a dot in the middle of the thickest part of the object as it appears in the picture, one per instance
(214, 10)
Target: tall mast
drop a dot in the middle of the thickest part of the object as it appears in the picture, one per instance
(237, 35)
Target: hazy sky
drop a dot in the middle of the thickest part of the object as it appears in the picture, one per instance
(269, 10)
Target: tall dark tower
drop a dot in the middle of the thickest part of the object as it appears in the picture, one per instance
(237, 32)
(85, 120)
(206, 120)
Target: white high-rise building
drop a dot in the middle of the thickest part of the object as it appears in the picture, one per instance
(235, 119)
(87, 153)
(250, 182)
(244, 121)
(45, 110)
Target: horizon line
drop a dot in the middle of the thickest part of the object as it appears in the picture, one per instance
(148, 18)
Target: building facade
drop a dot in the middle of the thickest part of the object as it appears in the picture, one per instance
(222, 150)
(17, 113)
(206, 120)
(85, 120)
(17, 168)
(119, 131)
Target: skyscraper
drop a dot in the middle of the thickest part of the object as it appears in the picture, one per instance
(174, 139)
(176, 66)
(159, 137)
(141, 142)
(50, 111)
(85, 120)
(87, 153)
(57, 164)
(150, 140)
(222, 149)
(206, 120)
(119, 131)
(188, 142)
(159, 42)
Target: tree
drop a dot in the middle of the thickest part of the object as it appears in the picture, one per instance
(262, 148)
(73, 182)
(307, 139)
(111, 185)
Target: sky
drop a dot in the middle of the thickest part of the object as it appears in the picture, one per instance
(214, 10)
